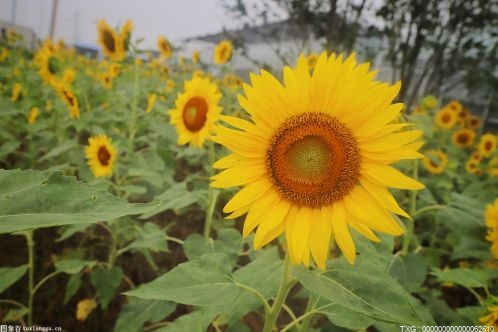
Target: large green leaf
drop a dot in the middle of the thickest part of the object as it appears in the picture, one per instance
(204, 281)
(409, 270)
(106, 281)
(197, 321)
(72, 266)
(466, 277)
(137, 312)
(33, 199)
(149, 237)
(9, 275)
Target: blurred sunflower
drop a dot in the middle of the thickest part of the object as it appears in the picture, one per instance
(454, 105)
(446, 118)
(101, 155)
(491, 219)
(492, 167)
(151, 101)
(196, 56)
(435, 161)
(472, 167)
(16, 92)
(68, 75)
(223, 52)
(487, 144)
(491, 319)
(48, 65)
(474, 122)
(33, 114)
(315, 159)
(463, 137)
(110, 42)
(69, 98)
(125, 35)
(196, 111)
(429, 102)
(164, 47)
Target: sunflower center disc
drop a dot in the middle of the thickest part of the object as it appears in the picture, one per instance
(109, 41)
(313, 160)
(195, 113)
(103, 156)
(487, 146)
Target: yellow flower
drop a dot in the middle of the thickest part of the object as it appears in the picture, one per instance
(196, 111)
(223, 52)
(418, 111)
(463, 137)
(492, 167)
(232, 81)
(474, 122)
(435, 161)
(101, 155)
(110, 41)
(33, 114)
(125, 35)
(151, 101)
(446, 118)
(170, 85)
(106, 80)
(312, 58)
(315, 158)
(114, 69)
(70, 99)
(84, 308)
(491, 219)
(472, 167)
(4, 54)
(16, 92)
(164, 47)
(491, 319)
(487, 144)
(455, 106)
(196, 56)
(429, 102)
(68, 75)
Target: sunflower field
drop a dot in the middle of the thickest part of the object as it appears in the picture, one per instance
(155, 192)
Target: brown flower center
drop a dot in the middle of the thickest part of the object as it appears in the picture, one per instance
(446, 118)
(313, 160)
(104, 156)
(195, 113)
(108, 40)
(463, 138)
(488, 145)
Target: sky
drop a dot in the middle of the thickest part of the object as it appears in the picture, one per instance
(77, 19)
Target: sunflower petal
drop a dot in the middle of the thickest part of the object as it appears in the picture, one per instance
(341, 232)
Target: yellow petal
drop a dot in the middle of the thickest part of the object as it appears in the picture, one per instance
(383, 197)
(258, 212)
(250, 193)
(272, 219)
(321, 228)
(389, 177)
(301, 232)
(341, 232)
(238, 176)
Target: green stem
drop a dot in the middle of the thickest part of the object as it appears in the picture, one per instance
(306, 315)
(134, 105)
(20, 305)
(253, 291)
(45, 279)
(113, 248)
(428, 208)
(407, 240)
(285, 285)
(31, 270)
(212, 194)
(312, 302)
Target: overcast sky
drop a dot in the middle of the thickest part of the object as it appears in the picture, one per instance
(77, 19)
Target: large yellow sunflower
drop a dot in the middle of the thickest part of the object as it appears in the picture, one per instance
(196, 111)
(491, 319)
(487, 144)
(435, 161)
(101, 155)
(112, 47)
(491, 219)
(315, 159)
(164, 47)
(446, 118)
(223, 52)
(463, 138)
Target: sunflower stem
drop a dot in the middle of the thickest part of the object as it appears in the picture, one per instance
(212, 194)
(31, 270)
(134, 105)
(407, 240)
(284, 288)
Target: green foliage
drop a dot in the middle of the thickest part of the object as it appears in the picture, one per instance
(9, 275)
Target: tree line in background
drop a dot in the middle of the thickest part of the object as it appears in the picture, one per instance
(432, 46)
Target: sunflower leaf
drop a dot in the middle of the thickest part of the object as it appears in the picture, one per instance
(137, 312)
(32, 199)
(9, 275)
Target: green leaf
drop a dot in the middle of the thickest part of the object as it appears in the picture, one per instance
(344, 317)
(9, 275)
(409, 270)
(72, 286)
(33, 199)
(15, 315)
(149, 237)
(465, 277)
(70, 230)
(137, 312)
(469, 247)
(106, 281)
(8, 147)
(197, 321)
(60, 149)
(72, 266)
(204, 281)
(229, 241)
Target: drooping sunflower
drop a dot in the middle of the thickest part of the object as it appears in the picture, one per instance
(315, 159)
(435, 161)
(67, 95)
(101, 155)
(196, 111)
(112, 47)
(446, 118)
(491, 219)
(491, 319)
(164, 47)
(463, 138)
(223, 52)
(125, 35)
(487, 144)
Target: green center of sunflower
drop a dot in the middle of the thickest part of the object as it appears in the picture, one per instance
(195, 113)
(108, 40)
(313, 160)
(104, 156)
(53, 65)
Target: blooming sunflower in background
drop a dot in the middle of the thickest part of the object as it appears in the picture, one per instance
(487, 144)
(435, 161)
(429, 102)
(151, 101)
(69, 98)
(463, 138)
(491, 219)
(455, 106)
(16, 92)
(101, 155)
(492, 167)
(196, 111)
(33, 114)
(196, 56)
(473, 167)
(125, 34)
(164, 47)
(223, 52)
(315, 159)
(110, 42)
(446, 118)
